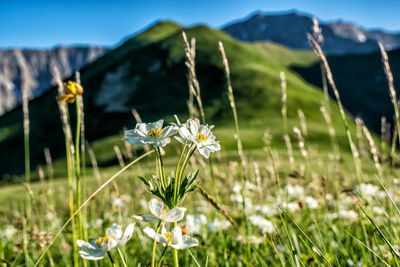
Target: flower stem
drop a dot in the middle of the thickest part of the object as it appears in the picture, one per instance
(111, 259)
(176, 260)
(177, 185)
(153, 257)
(162, 256)
(78, 164)
(121, 257)
(160, 167)
(192, 149)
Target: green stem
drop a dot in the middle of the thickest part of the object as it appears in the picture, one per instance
(176, 259)
(153, 256)
(162, 256)
(176, 172)
(162, 167)
(160, 171)
(78, 163)
(111, 259)
(192, 149)
(121, 257)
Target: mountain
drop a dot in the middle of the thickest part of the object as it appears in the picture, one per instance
(362, 84)
(33, 70)
(148, 73)
(289, 29)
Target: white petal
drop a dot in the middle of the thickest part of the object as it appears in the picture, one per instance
(212, 145)
(128, 233)
(177, 121)
(184, 132)
(114, 231)
(156, 207)
(141, 129)
(137, 141)
(86, 246)
(203, 150)
(93, 256)
(169, 131)
(146, 218)
(174, 215)
(130, 133)
(155, 125)
(194, 126)
(112, 243)
(161, 142)
(150, 232)
(176, 235)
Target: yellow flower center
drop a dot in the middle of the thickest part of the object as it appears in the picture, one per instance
(155, 133)
(164, 211)
(100, 241)
(201, 137)
(168, 235)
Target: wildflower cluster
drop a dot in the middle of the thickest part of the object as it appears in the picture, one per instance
(170, 190)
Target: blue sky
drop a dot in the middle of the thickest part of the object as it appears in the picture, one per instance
(46, 23)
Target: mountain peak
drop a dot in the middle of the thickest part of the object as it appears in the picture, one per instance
(289, 28)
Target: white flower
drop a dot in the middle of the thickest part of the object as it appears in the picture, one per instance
(173, 239)
(97, 248)
(265, 225)
(294, 190)
(370, 191)
(268, 210)
(311, 202)
(217, 225)
(348, 214)
(194, 223)
(378, 210)
(160, 213)
(251, 238)
(8, 232)
(198, 134)
(291, 206)
(150, 133)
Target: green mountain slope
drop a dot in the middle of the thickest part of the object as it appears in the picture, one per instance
(148, 73)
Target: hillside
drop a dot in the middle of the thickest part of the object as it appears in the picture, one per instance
(148, 73)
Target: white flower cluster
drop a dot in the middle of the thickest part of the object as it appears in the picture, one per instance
(191, 133)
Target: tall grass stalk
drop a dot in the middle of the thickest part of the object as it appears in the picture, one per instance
(289, 149)
(119, 156)
(26, 122)
(93, 161)
(393, 96)
(332, 133)
(239, 145)
(321, 56)
(194, 85)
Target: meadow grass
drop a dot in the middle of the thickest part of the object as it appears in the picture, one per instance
(273, 197)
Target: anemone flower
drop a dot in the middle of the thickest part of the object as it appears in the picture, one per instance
(150, 133)
(97, 248)
(160, 213)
